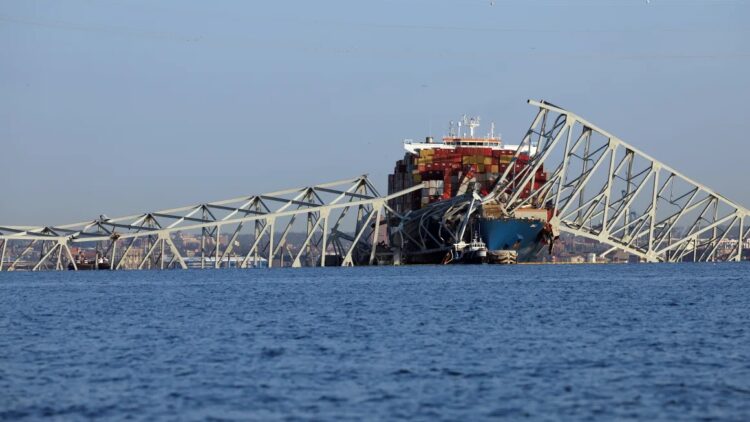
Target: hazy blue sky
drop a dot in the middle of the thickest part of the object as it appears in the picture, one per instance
(125, 106)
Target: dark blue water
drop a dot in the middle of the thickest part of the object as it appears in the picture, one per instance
(458, 343)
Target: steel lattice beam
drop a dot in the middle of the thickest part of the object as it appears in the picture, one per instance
(148, 240)
(605, 189)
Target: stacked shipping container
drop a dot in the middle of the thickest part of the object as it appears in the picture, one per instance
(449, 171)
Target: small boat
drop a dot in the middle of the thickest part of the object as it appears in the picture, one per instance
(83, 264)
(474, 252)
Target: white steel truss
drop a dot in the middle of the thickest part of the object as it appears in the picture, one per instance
(341, 220)
(435, 228)
(605, 189)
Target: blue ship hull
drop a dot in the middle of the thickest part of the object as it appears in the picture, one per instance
(521, 235)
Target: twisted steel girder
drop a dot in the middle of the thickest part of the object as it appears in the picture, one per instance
(149, 240)
(605, 189)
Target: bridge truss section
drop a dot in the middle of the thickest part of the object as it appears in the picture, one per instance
(605, 189)
(435, 228)
(341, 223)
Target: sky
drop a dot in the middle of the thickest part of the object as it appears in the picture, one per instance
(121, 107)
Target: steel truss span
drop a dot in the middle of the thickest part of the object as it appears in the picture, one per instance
(605, 189)
(340, 219)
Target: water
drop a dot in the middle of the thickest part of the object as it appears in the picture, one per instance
(458, 343)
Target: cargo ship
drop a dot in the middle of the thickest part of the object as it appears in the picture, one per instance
(452, 171)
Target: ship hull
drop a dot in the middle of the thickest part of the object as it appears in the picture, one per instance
(433, 257)
(474, 257)
(522, 235)
(455, 170)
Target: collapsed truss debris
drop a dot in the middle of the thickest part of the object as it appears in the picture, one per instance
(600, 188)
(259, 226)
(605, 189)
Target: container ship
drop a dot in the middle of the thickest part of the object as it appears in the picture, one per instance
(452, 171)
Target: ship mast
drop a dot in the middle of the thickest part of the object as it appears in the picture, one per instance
(472, 123)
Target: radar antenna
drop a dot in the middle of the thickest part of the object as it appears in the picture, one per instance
(472, 123)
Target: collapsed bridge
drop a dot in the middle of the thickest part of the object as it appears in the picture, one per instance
(598, 187)
(605, 189)
(342, 216)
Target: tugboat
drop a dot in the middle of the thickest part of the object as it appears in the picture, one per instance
(474, 252)
(98, 263)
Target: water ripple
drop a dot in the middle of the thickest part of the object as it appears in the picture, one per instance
(653, 342)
